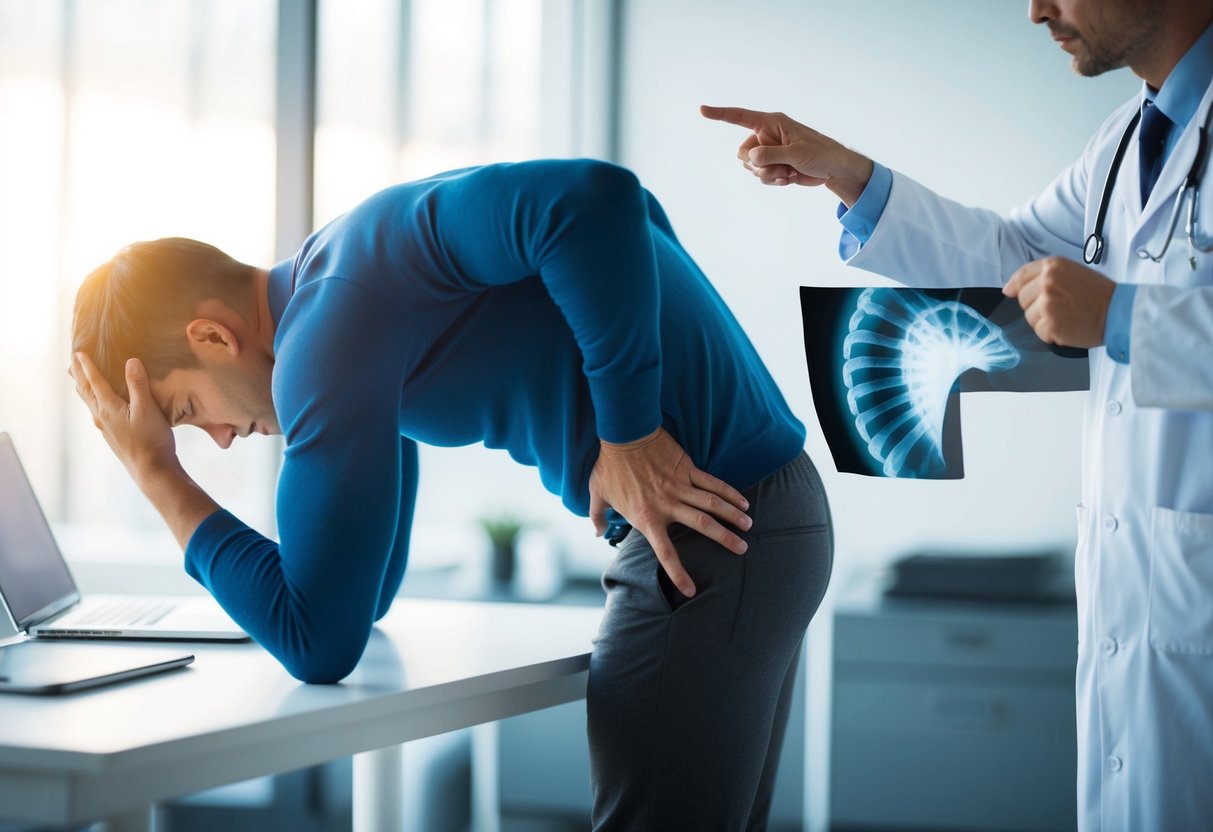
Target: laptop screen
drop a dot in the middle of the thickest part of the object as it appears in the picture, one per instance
(33, 574)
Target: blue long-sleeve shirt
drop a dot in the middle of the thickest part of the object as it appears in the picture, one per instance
(534, 307)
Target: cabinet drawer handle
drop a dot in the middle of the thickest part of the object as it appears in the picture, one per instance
(968, 711)
(966, 638)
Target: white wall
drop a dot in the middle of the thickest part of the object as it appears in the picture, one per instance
(969, 98)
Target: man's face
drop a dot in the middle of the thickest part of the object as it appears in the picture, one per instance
(226, 400)
(1100, 35)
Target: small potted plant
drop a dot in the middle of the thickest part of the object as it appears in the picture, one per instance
(502, 531)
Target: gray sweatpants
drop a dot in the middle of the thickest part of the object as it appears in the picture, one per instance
(688, 698)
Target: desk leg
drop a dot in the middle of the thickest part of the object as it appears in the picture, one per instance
(379, 790)
(486, 778)
(136, 820)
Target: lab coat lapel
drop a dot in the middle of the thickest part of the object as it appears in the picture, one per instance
(1172, 175)
(1126, 192)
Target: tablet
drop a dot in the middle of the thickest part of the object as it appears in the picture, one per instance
(53, 667)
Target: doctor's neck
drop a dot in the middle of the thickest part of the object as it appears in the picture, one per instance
(1181, 22)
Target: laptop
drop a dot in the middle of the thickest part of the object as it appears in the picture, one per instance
(40, 598)
(53, 667)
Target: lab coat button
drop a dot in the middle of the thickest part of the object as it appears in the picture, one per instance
(1114, 763)
(1142, 254)
(1114, 408)
(1110, 523)
(1109, 646)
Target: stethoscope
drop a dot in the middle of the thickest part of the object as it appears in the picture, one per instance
(1092, 250)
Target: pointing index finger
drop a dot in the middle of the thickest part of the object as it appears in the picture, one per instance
(750, 119)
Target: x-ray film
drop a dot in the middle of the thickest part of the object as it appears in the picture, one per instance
(887, 365)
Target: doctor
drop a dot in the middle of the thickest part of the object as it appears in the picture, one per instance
(1106, 258)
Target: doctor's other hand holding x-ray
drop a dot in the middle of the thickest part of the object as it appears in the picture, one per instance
(1115, 255)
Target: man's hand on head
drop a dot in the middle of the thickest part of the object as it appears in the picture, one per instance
(137, 430)
(142, 439)
(653, 483)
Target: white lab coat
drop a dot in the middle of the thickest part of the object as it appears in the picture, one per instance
(1144, 562)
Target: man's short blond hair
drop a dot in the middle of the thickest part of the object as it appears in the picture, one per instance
(139, 302)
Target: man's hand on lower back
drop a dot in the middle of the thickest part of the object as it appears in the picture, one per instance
(654, 484)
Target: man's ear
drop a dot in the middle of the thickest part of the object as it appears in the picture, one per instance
(210, 338)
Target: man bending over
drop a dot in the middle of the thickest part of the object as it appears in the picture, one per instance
(545, 308)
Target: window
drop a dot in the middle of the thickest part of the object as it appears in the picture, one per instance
(409, 88)
(124, 120)
(134, 119)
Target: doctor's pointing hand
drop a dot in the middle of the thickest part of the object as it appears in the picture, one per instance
(781, 151)
(1065, 302)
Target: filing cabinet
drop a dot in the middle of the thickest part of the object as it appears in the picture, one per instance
(952, 715)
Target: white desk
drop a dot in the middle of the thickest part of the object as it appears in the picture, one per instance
(235, 714)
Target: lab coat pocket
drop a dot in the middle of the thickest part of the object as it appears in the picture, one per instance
(1181, 582)
(1178, 269)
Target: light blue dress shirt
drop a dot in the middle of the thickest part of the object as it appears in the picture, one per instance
(1178, 99)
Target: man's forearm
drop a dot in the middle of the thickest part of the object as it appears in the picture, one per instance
(180, 501)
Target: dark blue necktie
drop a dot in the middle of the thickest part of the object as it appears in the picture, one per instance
(1150, 138)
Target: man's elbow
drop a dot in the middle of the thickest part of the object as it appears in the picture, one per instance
(595, 185)
(325, 665)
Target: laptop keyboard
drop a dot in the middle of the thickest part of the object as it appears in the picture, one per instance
(135, 612)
